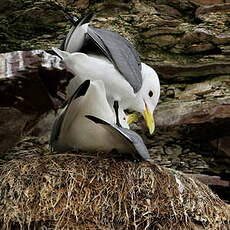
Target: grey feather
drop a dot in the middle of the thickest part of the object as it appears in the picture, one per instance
(137, 142)
(133, 139)
(121, 53)
(55, 132)
(53, 141)
(116, 48)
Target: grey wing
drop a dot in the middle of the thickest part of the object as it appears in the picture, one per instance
(53, 141)
(137, 142)
(92, 40)
(121, 53)
(132, 137)
(72, 41)
(80, 91)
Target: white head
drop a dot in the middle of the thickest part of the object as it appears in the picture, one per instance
(148, 96)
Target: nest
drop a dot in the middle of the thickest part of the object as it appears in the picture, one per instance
(72, 191)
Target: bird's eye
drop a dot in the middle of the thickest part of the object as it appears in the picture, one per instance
(150, 93)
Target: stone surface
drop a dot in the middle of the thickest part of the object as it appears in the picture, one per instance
(213, 8)
(13, 126)
(208, 2)
(32, 83)
(183, 72)
(210, 180)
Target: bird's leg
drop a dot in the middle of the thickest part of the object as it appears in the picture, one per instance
(116, 107)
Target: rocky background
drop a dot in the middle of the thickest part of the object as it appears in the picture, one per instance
(186, 42)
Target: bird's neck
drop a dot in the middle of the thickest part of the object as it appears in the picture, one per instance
(77, 64)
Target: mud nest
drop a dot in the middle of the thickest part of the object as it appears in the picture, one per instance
(39, 190)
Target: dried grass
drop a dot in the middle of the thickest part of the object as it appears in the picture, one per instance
(70, 191)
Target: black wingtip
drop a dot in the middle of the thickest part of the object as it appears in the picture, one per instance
(87, 18)
(96, 120)
(82, 20)
(81, 90)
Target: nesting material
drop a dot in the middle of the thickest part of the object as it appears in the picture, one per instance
(73, 191)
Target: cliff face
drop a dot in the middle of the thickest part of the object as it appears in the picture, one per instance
(186, 42)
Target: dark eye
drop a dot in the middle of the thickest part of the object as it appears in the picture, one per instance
(150, 93)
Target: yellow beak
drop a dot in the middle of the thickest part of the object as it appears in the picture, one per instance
(149, 119)
(133, 117)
